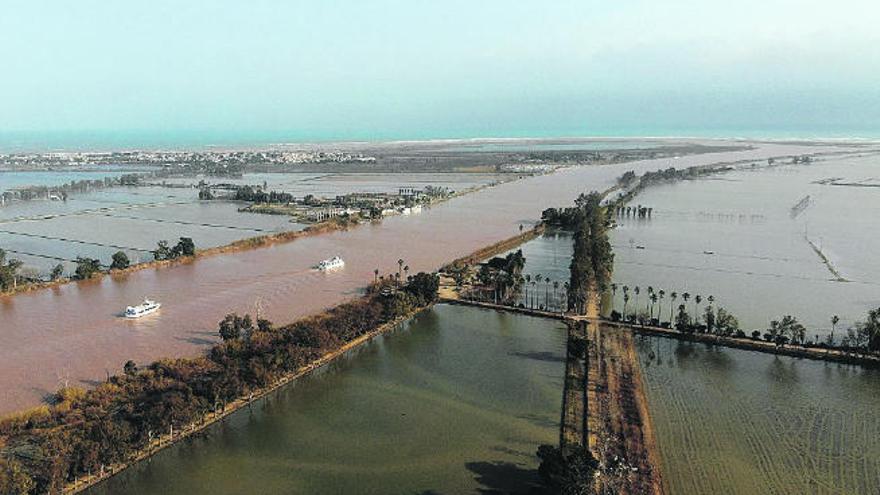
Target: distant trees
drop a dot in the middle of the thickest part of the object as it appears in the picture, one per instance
(57, 272)
(257, 195)
(120, 261)
(185, 247)
(593, 258)
(784, 330)
(866, 334)
(503, 275)
(86, 268)
(8, 272)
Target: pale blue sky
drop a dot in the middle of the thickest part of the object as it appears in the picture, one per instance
(411, 68)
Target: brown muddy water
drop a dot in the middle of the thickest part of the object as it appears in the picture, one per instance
(74, 335)
(457, 400)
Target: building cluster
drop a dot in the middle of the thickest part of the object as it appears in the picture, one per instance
(177, 159)
(407, 201)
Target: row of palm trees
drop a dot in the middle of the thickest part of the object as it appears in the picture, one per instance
(402, 272)
(655, 298)
(532, 298)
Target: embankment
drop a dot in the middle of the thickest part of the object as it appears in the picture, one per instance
(619, 427)
(236, 246)
(81, 484)
(816, 353)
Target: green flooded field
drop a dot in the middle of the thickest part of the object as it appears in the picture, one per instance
(739, 422)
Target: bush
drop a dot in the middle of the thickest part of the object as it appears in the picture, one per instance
(86, 268)
(120, 261)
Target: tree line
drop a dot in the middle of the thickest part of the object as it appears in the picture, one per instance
(86, 267)
(84, 431)
(861, 338)
(593, 258)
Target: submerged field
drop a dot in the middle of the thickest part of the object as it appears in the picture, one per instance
(43, 233)
(740, 422)
(456, 401)
(736, 237)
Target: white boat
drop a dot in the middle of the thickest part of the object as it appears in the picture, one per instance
(333, 263)
(143, 309)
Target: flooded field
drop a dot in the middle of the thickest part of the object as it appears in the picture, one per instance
(736, 236)
(134, 219)
(330, 185)
(456, 401)
(740, 422)
(78, 346)
(16, 179)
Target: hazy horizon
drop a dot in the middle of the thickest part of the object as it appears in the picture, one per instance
(168, 74)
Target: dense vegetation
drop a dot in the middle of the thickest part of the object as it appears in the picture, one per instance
(258, 195)
(8, 271)
(83, 431)
(185, 247)
(570, 474)
(593, 260)
(861, 338)
(502, 276)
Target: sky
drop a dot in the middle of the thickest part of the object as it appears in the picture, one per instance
(380, 69)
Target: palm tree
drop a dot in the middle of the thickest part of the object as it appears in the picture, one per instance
(673, 296)
(565, 287)
(538, 279)
(526, 287)
(625, 302)
(697, 300)
(661, 293)
(636, 290)
(376, 275)
(613, 294)
(650, 292)
(653, 301)
(399, 267)
(534, 292)
(547, 284)
(834, 321)
(555, 292)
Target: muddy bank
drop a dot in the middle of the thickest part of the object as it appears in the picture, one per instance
(618, 422)
(210, 418)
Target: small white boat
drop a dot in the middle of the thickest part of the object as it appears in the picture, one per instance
(143, 309)
(333, 263)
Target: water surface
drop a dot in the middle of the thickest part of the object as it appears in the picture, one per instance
(740, 422)
(456, 401)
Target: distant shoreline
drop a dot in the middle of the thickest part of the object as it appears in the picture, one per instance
(103, 141)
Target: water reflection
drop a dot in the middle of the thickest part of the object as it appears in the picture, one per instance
(453, 402)
(739, 422)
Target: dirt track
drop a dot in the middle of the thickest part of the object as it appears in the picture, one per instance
(619, 424)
